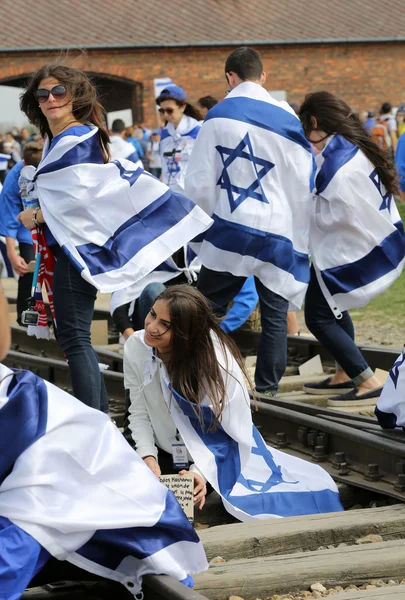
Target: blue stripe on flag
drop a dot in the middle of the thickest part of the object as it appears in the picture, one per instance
(386, 420)
(134, 157)
(263, 245)
(227, 460)
(136, 233)
(336, 154)
(193, 133)
(87, 151)
(109, 547)
(261, 114)
(381, 260)
(165, 134)
(23, 418)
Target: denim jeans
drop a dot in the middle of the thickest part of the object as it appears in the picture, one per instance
(24, 281)
(74, 300)
(337, 335)
(220, 288)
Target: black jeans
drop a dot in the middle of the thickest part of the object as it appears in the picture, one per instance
(220, 288)
(337, 335)
(24, 281)
(74, 300)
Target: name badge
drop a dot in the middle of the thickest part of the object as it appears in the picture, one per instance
(180, 458)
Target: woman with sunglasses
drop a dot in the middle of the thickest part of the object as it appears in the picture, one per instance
(178, 135)
(357, 241)
(101, 217)
(190, 411)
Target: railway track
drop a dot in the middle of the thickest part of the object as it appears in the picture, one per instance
(351, 447)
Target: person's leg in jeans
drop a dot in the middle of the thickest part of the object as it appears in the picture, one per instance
(145, 302)
(74, 300)
(337, 335)
(24, 281)
(219, 288)
(272, 353)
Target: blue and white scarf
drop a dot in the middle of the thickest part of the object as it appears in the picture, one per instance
(70, 481)
(251, 170)
(357, 239)
(254, 480)
(114, 221)
(176, 145)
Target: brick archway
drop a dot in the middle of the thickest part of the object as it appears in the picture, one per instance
(116, 93)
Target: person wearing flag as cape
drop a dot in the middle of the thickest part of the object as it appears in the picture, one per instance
(357, 241)
(189, 404)
(251, 171)
(107, 224)
(76, 502)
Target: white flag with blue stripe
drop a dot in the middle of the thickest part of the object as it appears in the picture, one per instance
(357, 239)
(390, 409)
(254, 480)
(119, 148)
(69, 479)
(116, 222)
(251, 170)
(165, 272)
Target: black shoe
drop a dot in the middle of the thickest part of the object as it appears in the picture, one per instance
(350, 399)
(324, 387)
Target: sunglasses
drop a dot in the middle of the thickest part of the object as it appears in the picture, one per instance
(169, 111)
(58, 92)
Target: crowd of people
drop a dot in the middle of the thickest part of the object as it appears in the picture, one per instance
(239, 196)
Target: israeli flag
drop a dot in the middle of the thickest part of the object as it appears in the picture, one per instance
(390, 409)
(71, 485)
(114, 221)
(254, 480)
(251, 170)
(119, 148)
(160, 84)
(357, 239)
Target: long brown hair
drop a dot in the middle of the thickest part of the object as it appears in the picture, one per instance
(194, 370)
(334, 116)
(86, 107)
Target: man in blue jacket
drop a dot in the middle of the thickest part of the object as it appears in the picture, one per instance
(10, 207)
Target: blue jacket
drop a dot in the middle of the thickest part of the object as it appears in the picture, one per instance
(11, 206)
(400, 162)
(244, 304)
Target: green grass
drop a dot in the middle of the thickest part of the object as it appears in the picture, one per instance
(390, 305)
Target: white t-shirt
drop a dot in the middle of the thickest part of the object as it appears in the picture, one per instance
(391, 121)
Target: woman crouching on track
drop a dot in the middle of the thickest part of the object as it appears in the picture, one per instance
(186, 381)
(357, 241)
(108, 224)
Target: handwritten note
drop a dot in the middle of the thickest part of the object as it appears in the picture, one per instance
(182, 487)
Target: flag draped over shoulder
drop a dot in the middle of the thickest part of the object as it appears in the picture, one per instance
(70, 481)
(114, 221)
(251, 170)
(357, 239)
(390, 409)
(254, 480)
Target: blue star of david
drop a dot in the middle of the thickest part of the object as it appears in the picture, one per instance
(386, 198)
(276, 476)
(236, 193)
(173, 166)
(394, 373)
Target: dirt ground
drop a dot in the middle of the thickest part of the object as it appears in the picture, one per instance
(373, 333)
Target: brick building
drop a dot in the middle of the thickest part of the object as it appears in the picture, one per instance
(354, 48)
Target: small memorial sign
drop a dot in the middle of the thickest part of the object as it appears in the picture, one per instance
(182, 487)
